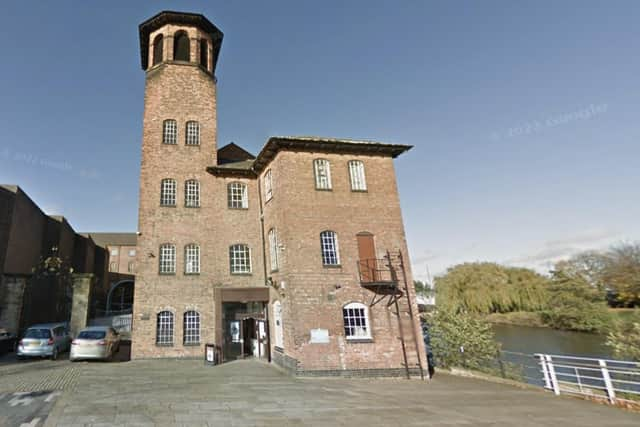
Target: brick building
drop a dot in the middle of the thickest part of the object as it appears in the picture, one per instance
(296, 255)
(41, 258)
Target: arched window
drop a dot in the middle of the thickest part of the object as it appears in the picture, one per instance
(329, 247)
(192, 259)
(164, 328)
(167, 258)
(240, 259)
(158, 47)
(181, 46)
(191, 328)
(322, 170)
(168, 192)
(169, 132)
(273, 249)
(277, 318)
(192, 193)
(204, 53)
(356, 175)
(193, 133)
(356, 321)
(237, 196)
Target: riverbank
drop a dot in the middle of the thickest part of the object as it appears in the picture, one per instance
(534, 319)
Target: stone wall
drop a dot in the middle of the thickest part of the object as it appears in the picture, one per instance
(11, 297)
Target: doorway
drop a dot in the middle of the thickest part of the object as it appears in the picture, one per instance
(367, 257)
(245, 330)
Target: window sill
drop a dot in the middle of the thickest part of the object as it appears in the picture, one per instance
(362, 340)
(191, 207)
(166, 274)
(324, 189)
(241, 274)
(169, 143)
(332, 265)
(167, 206)
(275, 271)
(191, 344)
(191, 274)
(238, 209)
(359, 191)
(164, 345)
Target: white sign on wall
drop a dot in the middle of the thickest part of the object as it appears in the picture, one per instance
(319, 336)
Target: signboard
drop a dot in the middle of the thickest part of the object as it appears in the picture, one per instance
(210, 353)
(234, 330)
(319, 336)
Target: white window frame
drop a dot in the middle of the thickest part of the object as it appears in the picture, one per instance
(322, 173)
(237, 195)
(329, 248)
(240, 258)
(114, 252)
(113, 266)
(192, 133)
(277, 319)
(355, 317)
(192, 259)
(168, 192)
(167, 258)
(165, 327)
(192, 193)
(273, 250)
(132, 252)
(170, 132)
(268, 185)
(357, 175)
(131, 267)
(191, 328)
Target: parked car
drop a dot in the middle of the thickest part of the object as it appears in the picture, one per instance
(95, 342)
(7, 341)
(45, 340)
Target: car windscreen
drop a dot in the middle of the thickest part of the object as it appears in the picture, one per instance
(38, 333)
(91, 335)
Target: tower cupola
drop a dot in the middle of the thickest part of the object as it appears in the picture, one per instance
(179, 37)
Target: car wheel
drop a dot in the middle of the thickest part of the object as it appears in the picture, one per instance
(54, 355)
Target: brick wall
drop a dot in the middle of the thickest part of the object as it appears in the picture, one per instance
(314, 294)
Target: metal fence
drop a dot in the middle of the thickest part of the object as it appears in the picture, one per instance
(613, 380)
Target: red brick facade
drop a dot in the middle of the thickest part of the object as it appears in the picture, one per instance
(311, 295)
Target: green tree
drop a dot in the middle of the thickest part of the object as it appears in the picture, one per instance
(589, 265)
(622, 272)
(625, 339)
(450, 331)
(574, 304)
(485, 288)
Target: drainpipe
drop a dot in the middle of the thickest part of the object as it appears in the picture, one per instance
(264, 252)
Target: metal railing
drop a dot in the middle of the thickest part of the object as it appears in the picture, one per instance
(615, 381)
(378, 270)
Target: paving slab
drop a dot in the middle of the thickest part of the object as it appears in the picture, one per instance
(252, 393)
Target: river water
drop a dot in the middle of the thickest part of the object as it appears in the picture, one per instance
(530, 340)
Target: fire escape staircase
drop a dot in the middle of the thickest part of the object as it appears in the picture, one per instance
(386, 278)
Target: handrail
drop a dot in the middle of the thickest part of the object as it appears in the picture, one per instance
(607, 379)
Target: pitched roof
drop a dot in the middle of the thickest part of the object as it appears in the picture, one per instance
(233, 153)
(250, 168)
(113, 239)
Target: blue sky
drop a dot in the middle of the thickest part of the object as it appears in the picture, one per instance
(524, 117)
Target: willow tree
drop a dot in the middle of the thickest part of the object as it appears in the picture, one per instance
(484, 288)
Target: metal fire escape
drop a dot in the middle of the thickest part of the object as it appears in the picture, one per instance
(387, 279)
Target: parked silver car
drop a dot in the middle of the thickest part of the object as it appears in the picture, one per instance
(95, 342)
(45, 340)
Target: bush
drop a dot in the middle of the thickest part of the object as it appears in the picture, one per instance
(625, 339)
(450, 330)
(576, 305)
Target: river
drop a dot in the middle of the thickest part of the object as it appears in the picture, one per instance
(530, 340)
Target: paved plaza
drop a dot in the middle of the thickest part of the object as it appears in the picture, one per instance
(250, 393)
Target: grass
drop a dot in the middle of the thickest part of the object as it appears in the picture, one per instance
(522, 318)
